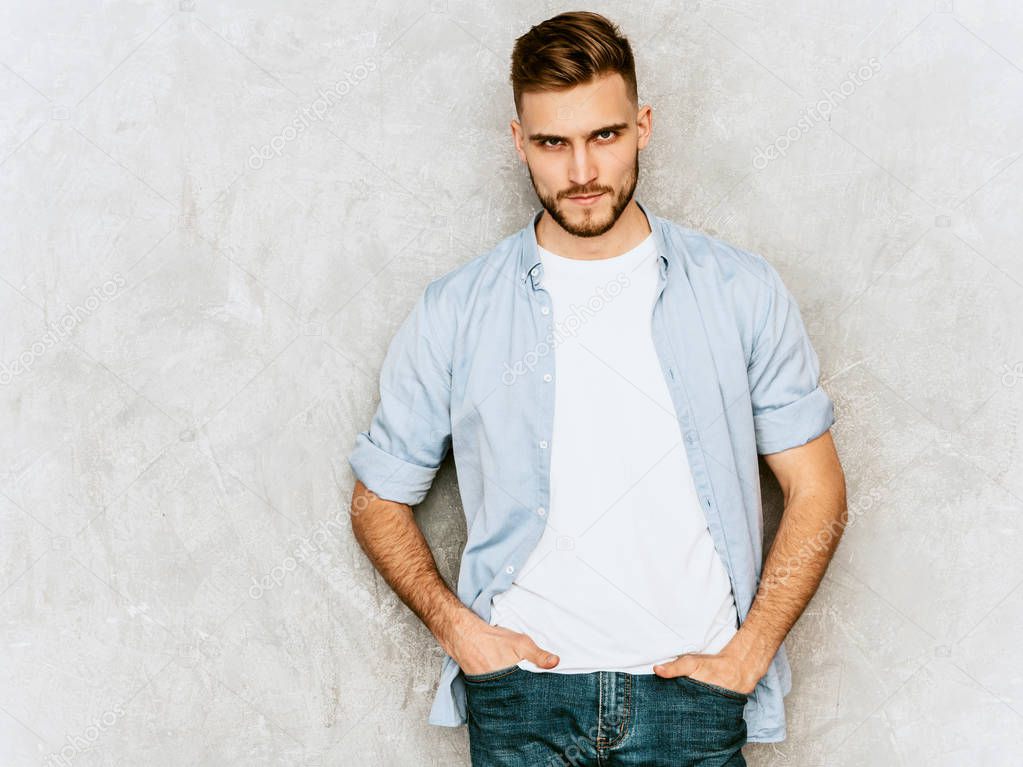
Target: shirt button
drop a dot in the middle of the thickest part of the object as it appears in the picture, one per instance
(545, 310)
(543, 443)
(692, 437)
(547, 376)
(541, 511)
(509, 569)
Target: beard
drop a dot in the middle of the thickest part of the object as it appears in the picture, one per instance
(590, 223)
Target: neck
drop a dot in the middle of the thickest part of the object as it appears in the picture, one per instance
(629, 230)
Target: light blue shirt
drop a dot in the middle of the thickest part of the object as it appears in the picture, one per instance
(472, 369)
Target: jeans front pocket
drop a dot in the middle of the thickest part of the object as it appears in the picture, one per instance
(723, 691)
(489, 676)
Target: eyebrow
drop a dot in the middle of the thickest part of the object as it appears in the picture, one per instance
(541, 137)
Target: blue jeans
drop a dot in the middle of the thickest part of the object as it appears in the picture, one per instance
(520, 718)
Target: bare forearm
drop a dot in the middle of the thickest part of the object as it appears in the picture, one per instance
(388, 533)
(811, 527)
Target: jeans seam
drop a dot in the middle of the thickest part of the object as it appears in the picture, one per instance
(624, 727)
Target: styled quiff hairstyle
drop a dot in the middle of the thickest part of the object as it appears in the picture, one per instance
(568, 50)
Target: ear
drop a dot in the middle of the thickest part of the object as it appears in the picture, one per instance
(644, 125)
(517, 136)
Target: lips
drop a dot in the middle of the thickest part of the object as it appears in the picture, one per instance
(586, 200)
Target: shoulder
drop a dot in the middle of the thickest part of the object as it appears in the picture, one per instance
(480, 272)
(730, 280)
(709, 258)
(475, 283)
(750, 284)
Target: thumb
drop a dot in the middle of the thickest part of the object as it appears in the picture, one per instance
(542, 658)
(683, 665)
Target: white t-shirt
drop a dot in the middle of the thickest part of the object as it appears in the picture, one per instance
(626, 575)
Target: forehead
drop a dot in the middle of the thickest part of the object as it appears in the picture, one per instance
(602, 100)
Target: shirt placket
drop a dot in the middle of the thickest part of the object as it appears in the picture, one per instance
(690, 434)
(542, 390)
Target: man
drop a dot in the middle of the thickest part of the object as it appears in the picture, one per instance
(606, 379)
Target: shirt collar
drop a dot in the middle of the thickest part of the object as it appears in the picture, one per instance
(529, 257)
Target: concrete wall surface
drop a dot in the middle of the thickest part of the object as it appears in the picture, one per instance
(213, 217)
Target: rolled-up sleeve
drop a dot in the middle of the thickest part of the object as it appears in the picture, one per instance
(410, 433)
(789, 406)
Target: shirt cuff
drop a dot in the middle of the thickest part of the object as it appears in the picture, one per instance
(388, 476)
(794, 424)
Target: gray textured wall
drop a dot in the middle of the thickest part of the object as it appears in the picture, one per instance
(197, 298)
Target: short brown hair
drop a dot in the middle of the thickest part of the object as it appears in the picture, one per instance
(568, 50)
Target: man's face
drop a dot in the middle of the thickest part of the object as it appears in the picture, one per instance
(579, 142)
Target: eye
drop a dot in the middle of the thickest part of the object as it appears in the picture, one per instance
(612, 134)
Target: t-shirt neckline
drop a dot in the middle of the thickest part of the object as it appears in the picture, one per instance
(628, 258)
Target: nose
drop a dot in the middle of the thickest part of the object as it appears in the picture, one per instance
(583, 171)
